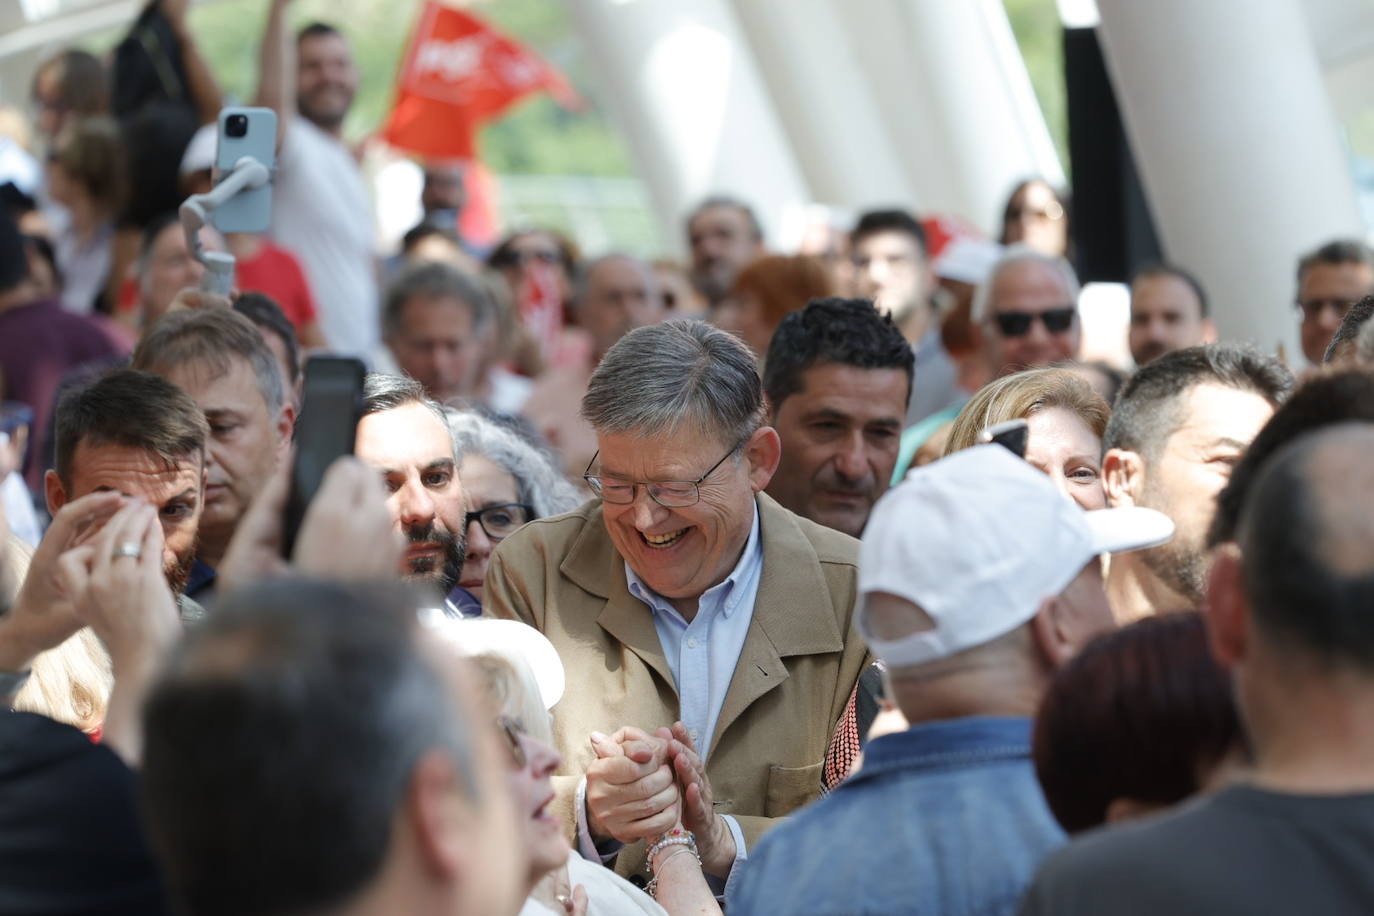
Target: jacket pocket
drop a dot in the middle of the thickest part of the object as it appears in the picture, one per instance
(791, 787)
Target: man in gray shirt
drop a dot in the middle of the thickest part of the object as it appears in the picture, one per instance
(1291, 614)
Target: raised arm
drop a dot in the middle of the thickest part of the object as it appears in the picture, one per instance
(277, 67)
(205, 92)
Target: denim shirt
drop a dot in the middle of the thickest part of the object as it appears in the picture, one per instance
(944, 818)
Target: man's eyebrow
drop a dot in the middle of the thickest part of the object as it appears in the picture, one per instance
(440, 464)
(190, 493)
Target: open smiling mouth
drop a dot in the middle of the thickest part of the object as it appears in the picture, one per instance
(663, 541)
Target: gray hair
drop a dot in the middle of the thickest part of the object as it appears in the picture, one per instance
(435, 280)
(538, 481)
(210, 338)
(387, 392)
(660, 378)
(1024, 254)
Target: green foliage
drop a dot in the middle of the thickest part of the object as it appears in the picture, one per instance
(1039, 34)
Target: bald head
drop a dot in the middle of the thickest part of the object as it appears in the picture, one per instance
(617, 294)
(1307, 538)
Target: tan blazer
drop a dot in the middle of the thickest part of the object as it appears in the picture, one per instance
(800, 660)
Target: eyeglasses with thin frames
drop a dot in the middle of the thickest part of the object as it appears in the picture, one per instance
(501, 521)
(671, 494)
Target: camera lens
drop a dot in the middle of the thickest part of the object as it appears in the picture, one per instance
(236, 125)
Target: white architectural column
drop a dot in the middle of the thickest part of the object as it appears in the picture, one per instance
(826, 104)
(953, 90)
(1237, 146)
(687, 92)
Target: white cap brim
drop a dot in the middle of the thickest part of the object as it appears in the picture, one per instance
(482, 635)
(1128, 528)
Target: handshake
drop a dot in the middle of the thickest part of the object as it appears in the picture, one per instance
(642, 785)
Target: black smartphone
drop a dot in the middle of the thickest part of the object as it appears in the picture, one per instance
(1011, 435)
(331, 405)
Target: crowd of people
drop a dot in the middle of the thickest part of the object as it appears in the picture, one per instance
(828, 581)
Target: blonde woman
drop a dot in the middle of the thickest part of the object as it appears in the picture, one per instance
(1066, 419)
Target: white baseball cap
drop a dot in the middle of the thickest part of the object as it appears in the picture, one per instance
(482, 636)
(977, 540)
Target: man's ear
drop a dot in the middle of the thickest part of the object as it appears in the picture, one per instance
(1123, 477)
(437, 814)
(1227, 609)
(54, 491)
(1209, 331)
(764, 451)
(286, 426)
(1052, 631)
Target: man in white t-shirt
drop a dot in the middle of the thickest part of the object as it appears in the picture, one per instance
(320, 205)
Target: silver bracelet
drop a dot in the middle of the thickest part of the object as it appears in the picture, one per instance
(652, 886)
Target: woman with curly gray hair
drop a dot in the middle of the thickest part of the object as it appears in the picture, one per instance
(507, 481)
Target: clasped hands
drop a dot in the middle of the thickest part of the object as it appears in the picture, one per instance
(641, 785)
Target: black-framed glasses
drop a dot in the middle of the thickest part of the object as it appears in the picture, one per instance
(500, 521)
(671, 494)
(1314, 307)
(1018, 324)
(513, 729)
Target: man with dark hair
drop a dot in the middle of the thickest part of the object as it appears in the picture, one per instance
(321, 209)
(1342, 348)
(1331, 280)
(140, 435)
(838, 379)
(436, 322)
(39, 341)
(724, 236)
(1178, 427)
(1169, 311)
(1288, 613)
(405, 437)
(686, 598)
(892, 267)
(220, 359)
(310, 750)
(1343, 395)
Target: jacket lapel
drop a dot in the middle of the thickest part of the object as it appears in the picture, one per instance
(792, 615)
(595, 566)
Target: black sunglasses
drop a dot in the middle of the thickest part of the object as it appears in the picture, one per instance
(1018, 324)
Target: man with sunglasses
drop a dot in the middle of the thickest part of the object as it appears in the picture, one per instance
(705, 629)
(1027, 312)
(1331, 280)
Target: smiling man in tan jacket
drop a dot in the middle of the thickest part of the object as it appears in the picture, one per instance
(685, 595)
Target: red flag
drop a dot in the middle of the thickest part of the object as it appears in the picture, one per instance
(457, 74)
